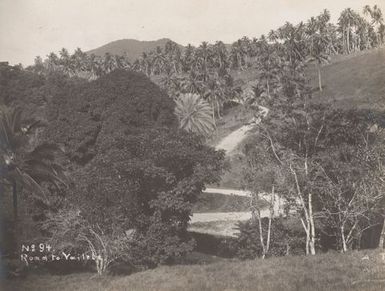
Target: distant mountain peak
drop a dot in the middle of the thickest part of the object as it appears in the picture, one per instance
(132, 48)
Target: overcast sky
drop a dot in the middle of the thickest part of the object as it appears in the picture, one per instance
(36, 27)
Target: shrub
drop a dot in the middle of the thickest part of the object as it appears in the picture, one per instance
(69, 231)
(286, 239)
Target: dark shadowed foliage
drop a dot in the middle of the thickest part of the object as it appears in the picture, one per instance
(132, 168)
(83, 118)
(286, 238)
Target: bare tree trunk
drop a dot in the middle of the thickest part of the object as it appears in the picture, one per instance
(270, 219)
(344, 245)
(348, 38)
(319, 77)
(312, 226)
(307, 246)
(306, 228)
(261, 234)
(382, 236)
(306, 211)
(287, 249)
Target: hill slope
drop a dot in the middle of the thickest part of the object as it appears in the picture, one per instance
(354, 81)
(131, 47)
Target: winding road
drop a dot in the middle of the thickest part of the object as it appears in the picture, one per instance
(224, 223)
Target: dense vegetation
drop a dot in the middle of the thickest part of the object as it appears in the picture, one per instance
(123, 153)
(111, 164)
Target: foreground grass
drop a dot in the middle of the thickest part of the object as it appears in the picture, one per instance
(332, 271)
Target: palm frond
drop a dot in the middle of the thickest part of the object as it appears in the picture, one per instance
(194, 114)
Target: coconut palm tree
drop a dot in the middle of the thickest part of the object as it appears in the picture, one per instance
(145, 63)
(193, 83)
(65, 61)
(220, 54)
(38, 66)
(23, 166)
(204, 56)
(346, 21)
(272, 35)
(237, 55)
(214, 92)
(79, 61)
(52, 61)
(268, 66)
(318, 42)
(159, 61)
(293, 40)
(188, 58)
(173, 56)
(194, 114)
(377, 18)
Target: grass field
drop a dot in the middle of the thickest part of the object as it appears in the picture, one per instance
(332, 271)
(354, 81)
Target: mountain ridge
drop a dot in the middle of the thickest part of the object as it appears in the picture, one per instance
(132, 48)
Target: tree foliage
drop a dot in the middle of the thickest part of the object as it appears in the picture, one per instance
(194, 114)
(130, 158)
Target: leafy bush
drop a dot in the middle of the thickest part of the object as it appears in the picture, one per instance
(286, 239)
(219, 246)
(69, 231)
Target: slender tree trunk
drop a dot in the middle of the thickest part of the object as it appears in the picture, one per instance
(268, 235)
(268, 88)
(307, 211)
(14, 198)
(270, 219)
(312, 226)
(332, 48)
(319, 77)
(307, 244)
(348, 38)
(382, 236)
(344, 245)
(261, 234)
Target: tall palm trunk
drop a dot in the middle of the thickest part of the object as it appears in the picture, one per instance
(348, 37)
(319, 77)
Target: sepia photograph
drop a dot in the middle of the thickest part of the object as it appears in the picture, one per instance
(198, 145)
